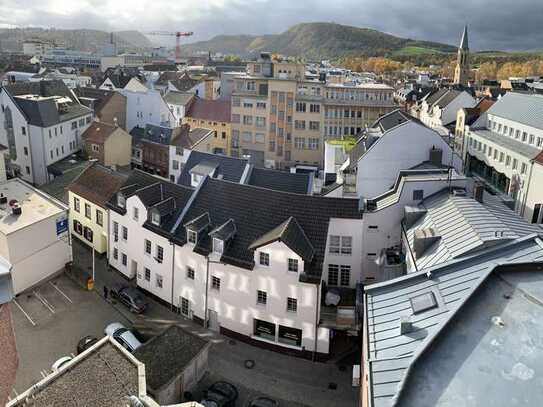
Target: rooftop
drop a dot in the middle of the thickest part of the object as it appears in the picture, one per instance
(462, 332)
(98, 132)
(97, 184)
(227, 168)
(36, 206)
(298, 183)
(521, 108)
(210, 110)
(103, 376)
(178, 98)
(508, 143)
(166, 355)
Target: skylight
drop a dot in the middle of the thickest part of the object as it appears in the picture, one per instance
(423, 302)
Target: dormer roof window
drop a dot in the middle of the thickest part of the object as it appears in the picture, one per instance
(155, 218)
(192, 236)
(218, 245)
(121, 200)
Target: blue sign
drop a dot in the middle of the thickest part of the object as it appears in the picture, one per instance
(62, 225)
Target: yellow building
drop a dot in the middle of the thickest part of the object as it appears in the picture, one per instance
(212, 115)
(87, 197)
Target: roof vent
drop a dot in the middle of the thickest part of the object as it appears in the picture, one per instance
(436, 156)
(423, 302)
(15, 207)
(478, 191)
(406, 325)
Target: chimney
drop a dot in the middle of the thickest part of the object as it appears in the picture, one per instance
(478, 191)
(424, 238)
(406, 325)
(436, 156)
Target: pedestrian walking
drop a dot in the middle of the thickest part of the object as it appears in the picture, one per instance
(105, 292)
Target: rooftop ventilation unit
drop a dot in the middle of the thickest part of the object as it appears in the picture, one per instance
(406, 325)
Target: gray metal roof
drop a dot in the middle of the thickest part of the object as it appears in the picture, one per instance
(391, 357)
(520, 107)
(508, 143)
(466, 225)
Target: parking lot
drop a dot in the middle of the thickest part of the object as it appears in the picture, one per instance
(50, 320)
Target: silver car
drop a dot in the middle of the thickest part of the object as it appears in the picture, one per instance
(122, 335)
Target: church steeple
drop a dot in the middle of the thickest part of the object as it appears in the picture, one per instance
(461, 72)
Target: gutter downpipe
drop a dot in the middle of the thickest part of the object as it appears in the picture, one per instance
(314, 358)
(404, 233)
(527, 190)
(207, 291)
(173, 273)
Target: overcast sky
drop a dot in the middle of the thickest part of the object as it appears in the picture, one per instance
(493, 24)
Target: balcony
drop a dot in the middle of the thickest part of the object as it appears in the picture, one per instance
(343, 316)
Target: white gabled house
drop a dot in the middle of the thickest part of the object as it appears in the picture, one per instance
(438, 109)
(210, 253)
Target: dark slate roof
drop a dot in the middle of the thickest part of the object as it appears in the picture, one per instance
(225, 231)
(256, 211)
(101, 96)
(291, 234)
(98, 132)
(298, 183)
(210, 110)
(229, 168)
(199, 223)
(97, 184)
(135, 181)
(158, 134)
(191, 138)
(44, 112)
(167, 355)
(435, 96)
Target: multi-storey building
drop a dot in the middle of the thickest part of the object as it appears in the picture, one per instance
(40, 123)
(281, 119)
(503, 149)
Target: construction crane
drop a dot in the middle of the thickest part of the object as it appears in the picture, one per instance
(178, 35)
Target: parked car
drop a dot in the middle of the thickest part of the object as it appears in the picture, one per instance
(220, 394)
(130, 297)
(60, 362)
(263, 402)
(122, 335)
(85, 343)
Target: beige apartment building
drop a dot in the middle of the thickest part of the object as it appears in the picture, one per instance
(280, 119)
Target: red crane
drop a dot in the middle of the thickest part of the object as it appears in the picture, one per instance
(178, 35)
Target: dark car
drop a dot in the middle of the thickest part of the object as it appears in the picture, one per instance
(263, 402)
(220, 394)
(85, 343)
(130, 297)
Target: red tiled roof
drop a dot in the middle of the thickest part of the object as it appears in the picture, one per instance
(211, 110)
(539, 158)
(98, 132)
(97, 184)
(484, 104)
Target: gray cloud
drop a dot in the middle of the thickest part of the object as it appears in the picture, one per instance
(494, 24)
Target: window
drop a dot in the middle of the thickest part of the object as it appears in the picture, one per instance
(264, 259)
(159, 253)
(299, 124)
(333, 274)
(313, 143)
(218, 245)
(23, 130)
(185, 307)
(260, 105)
(264, 330)
(418, 195)
(293, 265)
(159, 281)
(78, 227)
(314, 126)
(88, 211)
(508, 160)
(345, 275)
(215, 283)
(515, 163)
(523, 168)
(76, 204)
(121, 201)
(346, 244)
(147, 246)
(124, 259)
(115, 231)
(115, 253)
(155, 218)
(260, 138)
(292, 304)
(524, 136)
(96, 148)
(175, 164)
(299, 143)
(536, 214)
(260, 121)
(247, 137)
(300, 107)
(340, 244)
(290, 336)
(192, 236)
(125, 233)
(135, 213)
(190, 273)
(532, 139)
(248, 120)
(313, 108)
(261, 297)
(147, 274)
(25, 150)
(99, 218)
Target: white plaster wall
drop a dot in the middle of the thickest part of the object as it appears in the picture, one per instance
(401, 148)
(534, 192)
(99, 239)
(144, 107)
(235, 303)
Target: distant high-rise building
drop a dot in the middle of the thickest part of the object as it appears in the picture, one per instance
(461, 72)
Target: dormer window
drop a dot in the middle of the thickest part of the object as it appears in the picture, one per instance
(218, 246)
(121, 201)
(192, 236)
(155, 218)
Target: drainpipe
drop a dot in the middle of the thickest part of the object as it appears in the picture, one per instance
(527, 190)
(316, 323)
(207, 291)
(173, 273)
